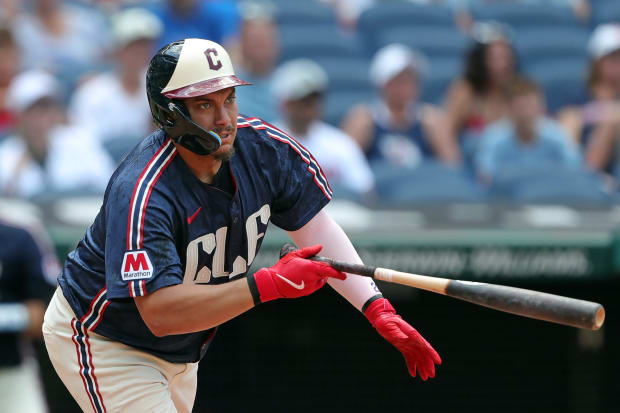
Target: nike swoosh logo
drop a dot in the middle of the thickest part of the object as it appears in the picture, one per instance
(292, 284)
(190, 219)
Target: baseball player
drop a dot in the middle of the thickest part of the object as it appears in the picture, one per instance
(166, 260)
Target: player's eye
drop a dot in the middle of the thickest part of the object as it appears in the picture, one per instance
(230, 99)
(204, 105)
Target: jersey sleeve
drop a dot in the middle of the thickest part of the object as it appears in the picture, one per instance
(140, 253)
(302, 188)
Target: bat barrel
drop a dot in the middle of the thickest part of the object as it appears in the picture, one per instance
(533, 304)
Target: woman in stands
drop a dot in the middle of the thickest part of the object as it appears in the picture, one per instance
(398, 129)
(594, 118)
(480, 97)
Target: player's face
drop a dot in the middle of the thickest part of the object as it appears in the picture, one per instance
(217, 112)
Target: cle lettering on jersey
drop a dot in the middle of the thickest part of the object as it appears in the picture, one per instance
(214, 245)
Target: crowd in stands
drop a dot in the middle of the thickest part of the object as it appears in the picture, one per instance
(400, 101)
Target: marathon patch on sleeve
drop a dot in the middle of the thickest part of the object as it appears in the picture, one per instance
(136, 266)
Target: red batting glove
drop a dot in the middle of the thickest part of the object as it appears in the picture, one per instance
(417, 351)
(293, 276)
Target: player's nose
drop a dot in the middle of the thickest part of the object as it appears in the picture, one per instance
(222, 116)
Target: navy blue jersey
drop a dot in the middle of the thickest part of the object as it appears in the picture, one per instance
(22, 277)
(160, 226)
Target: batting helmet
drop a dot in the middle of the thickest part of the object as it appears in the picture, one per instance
(184, 69)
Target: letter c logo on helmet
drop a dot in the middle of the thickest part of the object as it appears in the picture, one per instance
(181, 70)
(212, 65)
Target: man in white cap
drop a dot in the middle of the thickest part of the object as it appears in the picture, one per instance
(45, 154)
(112, 104)
(398, 128)
(299, 86)
(166, 260)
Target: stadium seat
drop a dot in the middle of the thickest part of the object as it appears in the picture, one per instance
(309, 13)
(346, 73)
(440, 74)
(120, 146)
(307, 41)
(607, 11)
(389, 15)
(535, 44)
(559, 79)
(338, 103)
(434, 89)
(430, 182)
(434, 42)
(519, 15)
(549, 184)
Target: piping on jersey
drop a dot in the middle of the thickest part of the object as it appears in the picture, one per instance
(313, 166)
(142, 191)
(137, 288)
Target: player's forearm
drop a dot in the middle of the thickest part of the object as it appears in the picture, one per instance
(187, 308)
(322, 229)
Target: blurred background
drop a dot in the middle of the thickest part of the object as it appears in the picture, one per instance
(469, 139)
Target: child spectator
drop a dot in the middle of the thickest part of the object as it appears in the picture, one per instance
(526, 138)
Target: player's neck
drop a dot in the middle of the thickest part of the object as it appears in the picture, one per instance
(204, 167)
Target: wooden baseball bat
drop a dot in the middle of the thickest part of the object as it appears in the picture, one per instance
(519, 301)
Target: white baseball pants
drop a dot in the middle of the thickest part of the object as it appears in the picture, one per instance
(104, 375)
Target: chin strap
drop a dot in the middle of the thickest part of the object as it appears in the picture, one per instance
(189, 134)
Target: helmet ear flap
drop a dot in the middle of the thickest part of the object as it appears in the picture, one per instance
(161, 116)
(184, 131)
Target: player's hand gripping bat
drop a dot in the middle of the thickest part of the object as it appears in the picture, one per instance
(527, 303)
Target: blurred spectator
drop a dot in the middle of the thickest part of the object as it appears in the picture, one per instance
(398, 127)
(114, 104)
(299, 87)
(216, 20)
(46, 155)
(480, 96)
(9, 9)
(28, 268)
(594, 119)
(259, 51)
(526, 138)
(61, 38)
(9, 67)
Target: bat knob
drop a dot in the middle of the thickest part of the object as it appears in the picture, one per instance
(286, 248)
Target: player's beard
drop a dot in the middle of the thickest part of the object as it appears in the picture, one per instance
(225, 156)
